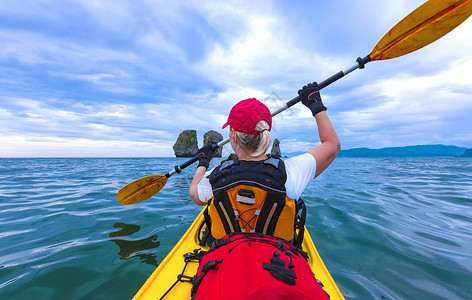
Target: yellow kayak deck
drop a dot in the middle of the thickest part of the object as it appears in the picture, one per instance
(166, 273)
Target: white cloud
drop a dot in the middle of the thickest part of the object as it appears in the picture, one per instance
(42, 48)
(409, 109)
(98, 70)
(109, 15)
(264, 56)
(427, 94)
(19, 146)
(154, 41)
(294, 145)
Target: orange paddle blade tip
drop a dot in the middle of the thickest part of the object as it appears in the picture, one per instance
(141, 189)
(427, 23)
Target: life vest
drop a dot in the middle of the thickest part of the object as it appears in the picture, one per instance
(250, 196)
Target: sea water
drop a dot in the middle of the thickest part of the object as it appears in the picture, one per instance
(386, 228)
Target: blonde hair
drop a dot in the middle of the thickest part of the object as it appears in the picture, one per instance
(251, 144)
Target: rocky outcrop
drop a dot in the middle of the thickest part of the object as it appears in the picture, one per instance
(213, 137)
(186, 144)
(276, 148)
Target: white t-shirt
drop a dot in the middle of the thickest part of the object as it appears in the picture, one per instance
(300, 172)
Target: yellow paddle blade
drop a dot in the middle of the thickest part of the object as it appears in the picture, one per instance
(423, 26)
(141, 189)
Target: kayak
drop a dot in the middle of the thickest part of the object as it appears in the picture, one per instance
(164, 279)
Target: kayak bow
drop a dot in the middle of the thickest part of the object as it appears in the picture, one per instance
(166, 274)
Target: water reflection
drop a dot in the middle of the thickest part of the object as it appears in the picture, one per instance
(128, 248)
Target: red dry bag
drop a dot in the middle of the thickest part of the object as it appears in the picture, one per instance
(252, 266)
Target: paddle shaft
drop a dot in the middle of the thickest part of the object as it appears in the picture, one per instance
(360, 65)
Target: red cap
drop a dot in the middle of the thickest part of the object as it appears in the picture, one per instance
(245, 115)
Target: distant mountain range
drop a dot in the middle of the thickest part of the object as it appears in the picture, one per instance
(467, 153)
(407, 151)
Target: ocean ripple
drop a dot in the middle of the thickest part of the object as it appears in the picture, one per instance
(386, 228)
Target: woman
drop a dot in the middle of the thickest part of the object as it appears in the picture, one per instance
(254, 193)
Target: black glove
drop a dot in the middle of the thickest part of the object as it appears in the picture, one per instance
(311, 98)
(205, 154)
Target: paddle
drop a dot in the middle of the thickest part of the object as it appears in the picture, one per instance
(427, 23)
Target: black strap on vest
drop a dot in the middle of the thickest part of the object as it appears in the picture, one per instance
(206, 238)
(268, 174)
(300, 215)
(300, 219)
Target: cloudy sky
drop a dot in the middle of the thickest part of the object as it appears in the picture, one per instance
(124, 78)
